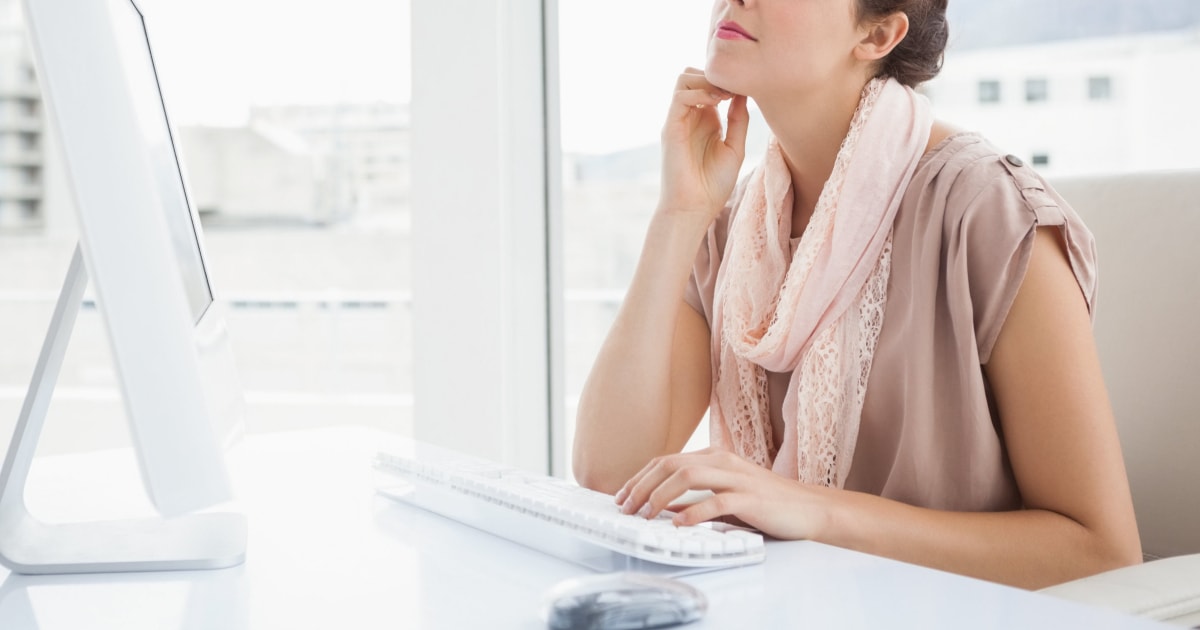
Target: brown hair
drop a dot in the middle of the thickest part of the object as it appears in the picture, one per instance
(917, 58)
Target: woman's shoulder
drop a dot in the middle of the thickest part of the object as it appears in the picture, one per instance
(957, 154)
(965, 173)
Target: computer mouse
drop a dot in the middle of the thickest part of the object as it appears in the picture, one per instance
(623, 601)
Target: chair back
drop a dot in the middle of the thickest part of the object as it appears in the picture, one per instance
(1147, 328)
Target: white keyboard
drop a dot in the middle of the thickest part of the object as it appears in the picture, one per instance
(554, 515)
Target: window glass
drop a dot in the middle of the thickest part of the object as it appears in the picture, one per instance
(614, 96)
(297, 159)
(1036, 90)
(989, 91)
(611, 152)
(1102, 83)
(1099, 88)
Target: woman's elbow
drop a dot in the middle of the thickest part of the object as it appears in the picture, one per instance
(1122, 551)
(1109, 552)
(590, 474)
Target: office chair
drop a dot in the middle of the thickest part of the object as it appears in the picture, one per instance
(1148, 335)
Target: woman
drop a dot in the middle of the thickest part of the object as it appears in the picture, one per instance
(895, 358)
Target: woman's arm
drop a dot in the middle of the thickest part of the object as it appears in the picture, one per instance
(650, 383)
(1059, 433)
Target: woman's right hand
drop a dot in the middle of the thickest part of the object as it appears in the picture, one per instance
(700, 168)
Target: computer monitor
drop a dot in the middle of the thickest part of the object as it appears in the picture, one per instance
(141, 246)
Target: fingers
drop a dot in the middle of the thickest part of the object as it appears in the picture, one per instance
(726, 504)
(624, 493)
(738, 123)
(688, 477)
(666, 479)
(694, 79)
(693, 89)
(687, 99)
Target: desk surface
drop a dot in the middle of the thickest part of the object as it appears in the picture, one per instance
(326, 552)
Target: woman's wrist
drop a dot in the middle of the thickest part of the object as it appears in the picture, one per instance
(829, 515)
(687, 211)
(684, 225)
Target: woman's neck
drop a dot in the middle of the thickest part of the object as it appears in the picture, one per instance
(810, 130)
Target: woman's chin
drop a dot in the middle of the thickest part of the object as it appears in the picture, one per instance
(723, 77)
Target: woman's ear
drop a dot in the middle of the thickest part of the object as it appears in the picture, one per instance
(881, 36)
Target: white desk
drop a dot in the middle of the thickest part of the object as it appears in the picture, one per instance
(326, 552)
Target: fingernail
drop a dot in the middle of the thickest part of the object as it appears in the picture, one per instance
(620, 498)
(716, 95)
(627, 506)
(645, 511)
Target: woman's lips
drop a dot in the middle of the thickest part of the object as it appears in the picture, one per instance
(732, 30)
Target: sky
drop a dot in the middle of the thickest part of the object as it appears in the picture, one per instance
(217, 58)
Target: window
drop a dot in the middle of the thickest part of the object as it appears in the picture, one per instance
(611, 155)
(316, 285)
(610, 178)
(1089, 61)
(1099, 88)
(1036, 90)
(989, 91)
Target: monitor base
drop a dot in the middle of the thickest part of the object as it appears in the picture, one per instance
(208, 540)
(195, 541)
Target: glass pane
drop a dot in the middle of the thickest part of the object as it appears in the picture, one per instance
(293, 124)
(613, 103)
(1036, 90)
(989, 91)
(1099, 88)
(1087, 89)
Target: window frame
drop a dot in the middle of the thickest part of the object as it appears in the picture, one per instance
(487, 289)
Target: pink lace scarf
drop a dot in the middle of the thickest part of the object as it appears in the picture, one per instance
(819, 314)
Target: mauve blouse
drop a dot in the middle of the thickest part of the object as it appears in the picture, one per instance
(930, 433)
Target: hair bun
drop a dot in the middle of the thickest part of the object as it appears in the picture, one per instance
(918, 58)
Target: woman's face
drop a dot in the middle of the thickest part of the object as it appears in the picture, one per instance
(764, 47)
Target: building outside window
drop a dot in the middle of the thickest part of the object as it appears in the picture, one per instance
(303, 187)
(1085, 127)
(308, 251)
(611, 176)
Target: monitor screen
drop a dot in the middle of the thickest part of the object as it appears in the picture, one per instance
(141, 80)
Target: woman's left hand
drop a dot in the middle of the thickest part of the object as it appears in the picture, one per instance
(775, 505)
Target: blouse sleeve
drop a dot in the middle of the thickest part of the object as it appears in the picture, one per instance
(702, 284)
(692, 292)
(997, 229)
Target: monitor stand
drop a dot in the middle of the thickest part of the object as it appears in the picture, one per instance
(27, 545)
